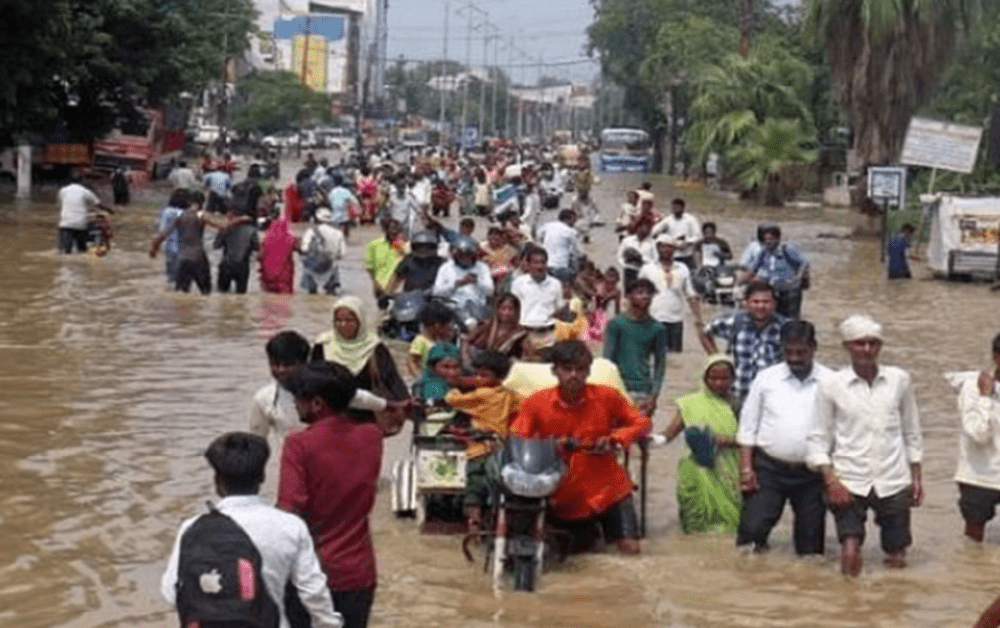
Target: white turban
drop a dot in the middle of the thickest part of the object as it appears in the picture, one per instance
(858, 326)
(666, 239)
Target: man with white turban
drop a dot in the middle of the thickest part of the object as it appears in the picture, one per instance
(866, 442)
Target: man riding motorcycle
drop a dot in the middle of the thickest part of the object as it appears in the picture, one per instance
(465, 281)
(595, 418)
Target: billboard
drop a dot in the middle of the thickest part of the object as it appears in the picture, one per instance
(318, 54)
(941, 145)
(309, 60)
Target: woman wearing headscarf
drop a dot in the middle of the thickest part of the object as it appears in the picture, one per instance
(277, 264)
(708, 479)
(354, 344)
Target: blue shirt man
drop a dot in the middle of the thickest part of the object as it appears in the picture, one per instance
(895, 253)
(782, 266)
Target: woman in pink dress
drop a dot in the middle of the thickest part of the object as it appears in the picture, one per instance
(277, 263)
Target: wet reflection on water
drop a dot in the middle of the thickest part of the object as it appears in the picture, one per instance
(114, 385)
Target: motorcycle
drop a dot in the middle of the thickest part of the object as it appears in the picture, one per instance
(524, 473)
(717, 284)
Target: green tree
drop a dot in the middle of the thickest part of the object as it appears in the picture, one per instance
(737, 95)
(76, 66)
(766, 151)
(886, 57)
(275, 101)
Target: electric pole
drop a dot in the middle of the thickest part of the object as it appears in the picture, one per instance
(444, 62)
(482, 83)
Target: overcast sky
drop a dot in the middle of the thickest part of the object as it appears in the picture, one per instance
(554, 29)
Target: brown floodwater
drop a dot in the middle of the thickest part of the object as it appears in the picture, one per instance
(113, 385)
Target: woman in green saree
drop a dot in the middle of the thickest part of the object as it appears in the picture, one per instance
(708, 478)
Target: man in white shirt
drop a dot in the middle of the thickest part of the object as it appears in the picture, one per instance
(635, 251)
(76, 203)
(775, 421)
(978, 473)
(866, 442)
(562, 242)
(272, 409)
(182, 177)
(331, 241)
(682, 227)
(541, 295)
(466, 281)
(673, 287)
(285, 546)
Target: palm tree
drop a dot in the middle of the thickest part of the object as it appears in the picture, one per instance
(735, 96)
(885, 57)
(765, 151)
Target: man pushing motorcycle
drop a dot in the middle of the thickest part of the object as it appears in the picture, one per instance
(596, 419)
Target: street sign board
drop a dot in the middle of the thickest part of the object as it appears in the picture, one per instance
(887, 185)
(941, 145)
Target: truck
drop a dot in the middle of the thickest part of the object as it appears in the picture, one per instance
(153, 152)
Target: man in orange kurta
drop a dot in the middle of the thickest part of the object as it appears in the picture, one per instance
(599, 417)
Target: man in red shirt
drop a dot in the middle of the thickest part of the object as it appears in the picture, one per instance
(329, 477)
(598, 417)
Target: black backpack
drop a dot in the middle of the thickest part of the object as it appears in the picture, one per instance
(219, 581)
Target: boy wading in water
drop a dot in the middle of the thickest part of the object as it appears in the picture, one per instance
(631, 339)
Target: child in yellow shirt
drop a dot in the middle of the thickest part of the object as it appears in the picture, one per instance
(491, 407)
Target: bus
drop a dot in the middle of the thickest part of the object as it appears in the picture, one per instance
(625, 150)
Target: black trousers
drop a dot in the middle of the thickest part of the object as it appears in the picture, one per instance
(354, 605)
(779, 483)
(196, 270)
(68, 238)
(234, 273)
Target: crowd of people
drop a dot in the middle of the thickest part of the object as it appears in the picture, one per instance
(506, 344)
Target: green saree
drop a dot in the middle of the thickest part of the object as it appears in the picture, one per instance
(709, 498)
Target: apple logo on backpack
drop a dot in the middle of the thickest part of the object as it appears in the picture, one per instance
(210, 582)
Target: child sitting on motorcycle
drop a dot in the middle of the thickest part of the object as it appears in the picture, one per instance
(436, 327)
(491, 407)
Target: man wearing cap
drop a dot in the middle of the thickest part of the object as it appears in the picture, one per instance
(684, 228)
(866, 442)
(672, 280)
(331, 243)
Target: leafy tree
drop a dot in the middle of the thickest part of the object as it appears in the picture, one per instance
(275, 101)
(736, 96)
(75, 66)
(886, 56)
(765, 151)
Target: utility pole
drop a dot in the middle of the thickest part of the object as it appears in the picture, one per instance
(444, 62)
(496, 78)
(468, 64)
(224, 102)
(508, 124)
(482, 83)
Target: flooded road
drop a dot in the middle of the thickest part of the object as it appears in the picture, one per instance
(112, 386)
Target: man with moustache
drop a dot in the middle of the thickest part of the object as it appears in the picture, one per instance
(774, 423)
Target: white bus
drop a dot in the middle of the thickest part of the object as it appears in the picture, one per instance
(625, 150)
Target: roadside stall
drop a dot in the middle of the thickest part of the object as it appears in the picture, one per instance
(964, 237)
